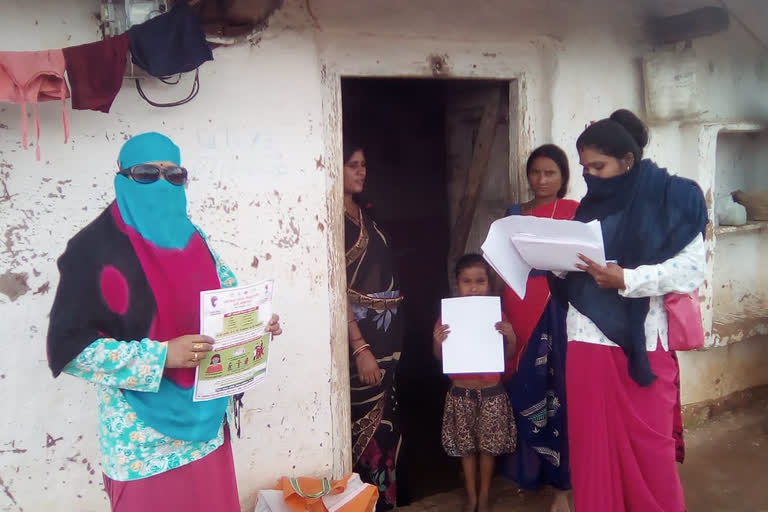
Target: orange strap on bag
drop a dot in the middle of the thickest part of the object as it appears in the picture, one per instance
(349, 494)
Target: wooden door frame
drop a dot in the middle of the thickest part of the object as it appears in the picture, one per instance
(331, 74)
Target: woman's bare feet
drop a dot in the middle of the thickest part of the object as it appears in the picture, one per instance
(470, 505)
(560, 503)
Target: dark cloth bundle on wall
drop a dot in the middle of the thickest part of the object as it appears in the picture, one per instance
(95, 72)
(170, 43)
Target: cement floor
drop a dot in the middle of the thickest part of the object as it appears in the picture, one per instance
(726, 470)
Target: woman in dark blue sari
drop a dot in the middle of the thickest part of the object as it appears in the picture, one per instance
(535, 378)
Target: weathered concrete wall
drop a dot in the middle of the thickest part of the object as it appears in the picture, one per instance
(262, 141)
(568, 80)
(253, 141)
(732, 75)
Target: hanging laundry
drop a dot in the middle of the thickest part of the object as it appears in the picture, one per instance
(171, 43)
(95, 72)
(32, 77)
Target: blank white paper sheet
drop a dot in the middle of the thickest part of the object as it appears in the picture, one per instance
(474, 345)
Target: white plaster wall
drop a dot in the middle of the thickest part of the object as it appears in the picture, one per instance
(715, 373)
(569, 81)
(577, 63)
(732, 79)
(732, 75)
(593, 76)
(251, 140)
(731, 82)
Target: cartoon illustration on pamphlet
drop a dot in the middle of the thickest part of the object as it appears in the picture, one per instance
(214, 366)
(234, 359)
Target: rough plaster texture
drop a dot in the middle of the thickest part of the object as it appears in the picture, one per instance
(252, 140)
(262, 141)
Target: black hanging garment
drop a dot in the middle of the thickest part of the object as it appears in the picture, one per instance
(170, 44)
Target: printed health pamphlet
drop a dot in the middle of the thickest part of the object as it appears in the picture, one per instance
(236, 318)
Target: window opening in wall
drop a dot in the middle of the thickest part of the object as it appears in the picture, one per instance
(740, 283)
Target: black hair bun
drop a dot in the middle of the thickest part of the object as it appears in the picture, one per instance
(633, 125)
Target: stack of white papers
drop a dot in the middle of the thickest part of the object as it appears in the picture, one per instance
(519, 243)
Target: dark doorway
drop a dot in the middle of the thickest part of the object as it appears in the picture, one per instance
(416, 133)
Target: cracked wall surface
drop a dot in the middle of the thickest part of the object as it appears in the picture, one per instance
(259, 142)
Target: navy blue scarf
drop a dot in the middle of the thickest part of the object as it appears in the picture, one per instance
(648, 217)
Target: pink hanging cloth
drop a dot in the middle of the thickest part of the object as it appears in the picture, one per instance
(32, 77)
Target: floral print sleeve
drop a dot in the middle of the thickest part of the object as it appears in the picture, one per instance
(682, 273)
(134, 365)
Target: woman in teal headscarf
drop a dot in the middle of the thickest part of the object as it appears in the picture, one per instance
(125, 316)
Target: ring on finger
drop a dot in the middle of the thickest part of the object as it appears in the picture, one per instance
(197, 346)
(194, 356)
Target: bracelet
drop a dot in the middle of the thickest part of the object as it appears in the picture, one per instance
(365, 350)
(361, 349)
(351, 321)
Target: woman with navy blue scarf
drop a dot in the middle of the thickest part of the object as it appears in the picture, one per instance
(125, 317)
(622, 381)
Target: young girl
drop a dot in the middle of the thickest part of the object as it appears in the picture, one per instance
(477, 421)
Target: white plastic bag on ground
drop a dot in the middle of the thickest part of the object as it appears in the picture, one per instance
(271, 501)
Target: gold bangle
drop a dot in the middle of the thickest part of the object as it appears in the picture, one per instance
(361, 349)
(358, 352)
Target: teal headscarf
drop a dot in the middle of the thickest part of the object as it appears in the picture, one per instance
(148, 147)
(158, 211)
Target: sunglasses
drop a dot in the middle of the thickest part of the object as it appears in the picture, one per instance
(148, 173)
